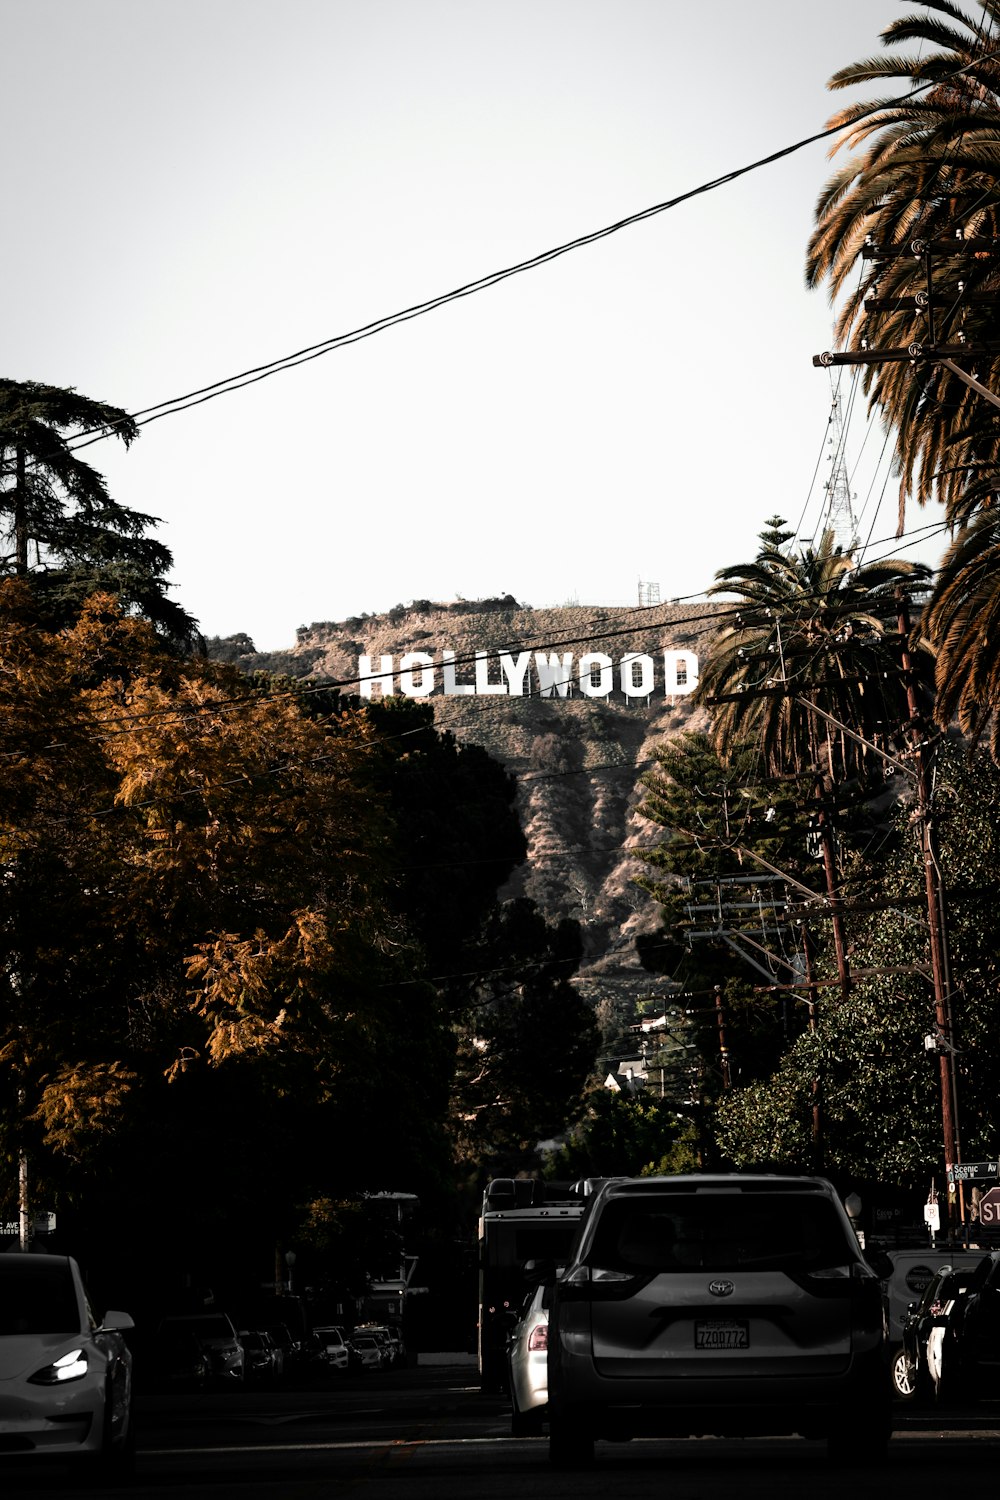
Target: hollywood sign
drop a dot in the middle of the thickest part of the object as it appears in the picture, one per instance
(549, 673)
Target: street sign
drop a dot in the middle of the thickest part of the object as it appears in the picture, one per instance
(975, 1171)
(989, 1206)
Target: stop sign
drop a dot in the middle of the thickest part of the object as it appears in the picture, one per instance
(989, 1206)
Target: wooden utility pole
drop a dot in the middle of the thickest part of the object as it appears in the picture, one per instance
(925, 824)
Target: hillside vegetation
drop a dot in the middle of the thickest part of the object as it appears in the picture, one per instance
(577, 759)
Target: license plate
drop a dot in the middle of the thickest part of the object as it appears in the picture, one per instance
(722, 1333)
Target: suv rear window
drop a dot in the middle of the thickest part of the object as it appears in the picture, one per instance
(724, 1232)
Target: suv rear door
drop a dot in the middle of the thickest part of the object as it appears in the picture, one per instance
(720, 1282)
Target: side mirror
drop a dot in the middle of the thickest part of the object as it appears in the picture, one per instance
(117, 1322)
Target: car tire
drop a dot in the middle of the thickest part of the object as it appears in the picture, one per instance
(904, 1376)
(571, 1444)
(114, 1463)
(525, 1423)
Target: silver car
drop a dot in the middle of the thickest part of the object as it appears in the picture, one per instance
(728, 1305)
(528, 1366)
(218, 1340)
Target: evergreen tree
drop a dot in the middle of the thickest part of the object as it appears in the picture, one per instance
(58, 521)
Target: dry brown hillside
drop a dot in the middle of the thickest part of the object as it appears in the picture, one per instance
(577, 759)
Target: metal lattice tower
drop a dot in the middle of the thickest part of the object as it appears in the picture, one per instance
(649, 593)
(838, 510)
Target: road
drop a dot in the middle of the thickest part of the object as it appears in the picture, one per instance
(429, 1434)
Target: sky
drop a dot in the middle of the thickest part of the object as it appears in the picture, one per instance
(197, 187)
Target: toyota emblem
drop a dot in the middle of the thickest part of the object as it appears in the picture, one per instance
(721, 1288)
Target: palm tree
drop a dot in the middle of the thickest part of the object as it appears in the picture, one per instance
(964, 618)
(57, 519)
(810, 628)
(927, 167)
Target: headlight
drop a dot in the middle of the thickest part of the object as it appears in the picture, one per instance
(71, 1366)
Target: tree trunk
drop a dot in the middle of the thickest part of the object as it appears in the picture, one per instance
(20, 513)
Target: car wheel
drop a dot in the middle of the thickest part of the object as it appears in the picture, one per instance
(571, 1445)
(525, 1423)
(115, 1463)
(904, 1376)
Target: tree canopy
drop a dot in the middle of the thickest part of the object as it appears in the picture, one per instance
(198, 944)
(60, 524)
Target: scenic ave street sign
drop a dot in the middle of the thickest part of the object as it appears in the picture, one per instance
(975, 1171)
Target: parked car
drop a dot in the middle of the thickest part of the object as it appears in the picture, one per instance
(365, 1352)
(528, 1365)
(334, 1346)
(971, 1348)
(281, 1338)
(178, 1361)
(734, 1305)
(65, 1380)
(917, 1365)
(911, 1274)
(262, 1358)
(387, 1339)
(217, 1338)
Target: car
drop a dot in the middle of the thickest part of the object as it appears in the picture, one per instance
(730, 1304)
(262, 1358)
(365, 1351)
(179, 1362)
(217, 1338)
(65, 1379)
(388, 1340)
(527, 1365)
(971, 1346)
(909, 1277)
(917, 1365)
(334, 1346)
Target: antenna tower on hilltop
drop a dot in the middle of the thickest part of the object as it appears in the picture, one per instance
(649, 593)
(838, 511)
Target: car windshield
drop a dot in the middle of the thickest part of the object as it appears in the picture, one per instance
(727, 1232)
(37, 1298)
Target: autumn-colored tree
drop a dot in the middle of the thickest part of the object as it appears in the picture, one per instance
(205, 985)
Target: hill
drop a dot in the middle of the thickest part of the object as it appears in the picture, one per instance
(577, 726)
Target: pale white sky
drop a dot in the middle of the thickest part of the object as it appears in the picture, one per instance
(194, 187)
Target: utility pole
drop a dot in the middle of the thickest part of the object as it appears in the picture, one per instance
(825, 829)
(720, 1022)
(924, 820)
(980, 254)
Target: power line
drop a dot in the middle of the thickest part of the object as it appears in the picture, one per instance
(708, 614)
(256, 373)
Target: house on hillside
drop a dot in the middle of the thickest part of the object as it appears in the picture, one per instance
(627, 1076)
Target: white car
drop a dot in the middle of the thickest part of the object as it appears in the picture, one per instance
(366, 1352)
(334, 1347)
(65, 1380)
(528, 1366)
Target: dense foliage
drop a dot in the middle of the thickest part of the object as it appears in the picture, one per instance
(60, 523)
